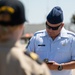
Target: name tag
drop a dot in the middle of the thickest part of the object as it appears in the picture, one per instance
(42, 45)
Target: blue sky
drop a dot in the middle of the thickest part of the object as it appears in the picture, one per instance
(37, 10)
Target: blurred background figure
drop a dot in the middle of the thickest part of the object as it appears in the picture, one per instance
(14, 60)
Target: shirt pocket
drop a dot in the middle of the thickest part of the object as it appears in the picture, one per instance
(63, 53)
(42, 51)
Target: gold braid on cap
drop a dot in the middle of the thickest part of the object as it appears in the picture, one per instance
(7, 8)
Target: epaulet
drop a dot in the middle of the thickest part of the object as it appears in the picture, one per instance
(38, 33)
(33, 56)
(71, 33)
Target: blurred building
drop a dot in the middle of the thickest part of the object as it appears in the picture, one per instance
(30, 29)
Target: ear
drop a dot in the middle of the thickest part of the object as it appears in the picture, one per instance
(21, 26)
(62, 24)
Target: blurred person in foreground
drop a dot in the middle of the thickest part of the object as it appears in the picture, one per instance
(14, 60)
(55, 45)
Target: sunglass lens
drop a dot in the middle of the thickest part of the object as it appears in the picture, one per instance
(53, 28)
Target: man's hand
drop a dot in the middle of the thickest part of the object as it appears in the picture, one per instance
(52, 65)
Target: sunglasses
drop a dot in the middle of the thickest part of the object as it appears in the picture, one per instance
(53, 28)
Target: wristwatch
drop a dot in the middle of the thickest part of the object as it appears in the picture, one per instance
(60, 67)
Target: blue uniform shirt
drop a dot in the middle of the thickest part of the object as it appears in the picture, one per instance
(60, 50)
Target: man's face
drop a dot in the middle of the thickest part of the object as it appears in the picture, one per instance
(53, 30)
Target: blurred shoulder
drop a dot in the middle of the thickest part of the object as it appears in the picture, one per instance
(33, 56)
(29, 61)
(39, 67)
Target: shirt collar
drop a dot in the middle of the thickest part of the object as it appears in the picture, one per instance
(63, 33)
